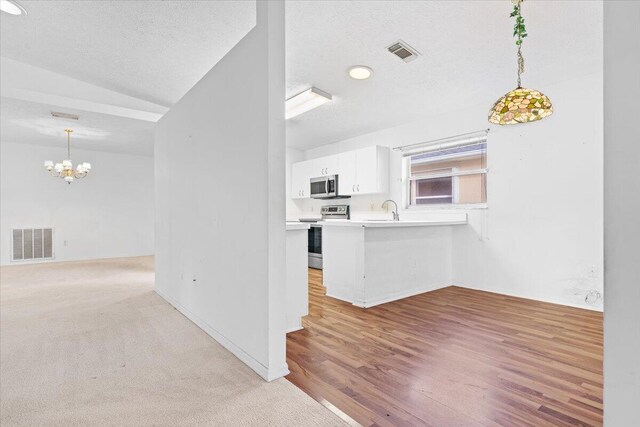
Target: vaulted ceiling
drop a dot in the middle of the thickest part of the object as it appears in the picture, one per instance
(152, 50)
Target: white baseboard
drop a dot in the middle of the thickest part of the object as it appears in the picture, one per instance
(296, 328)
(59, 260)
(372, 302)
(368, 303)
(532, 297)
(274, 374)
(340, 297)
(268, 374)
(377, 301)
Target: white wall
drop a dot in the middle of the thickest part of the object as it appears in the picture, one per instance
(541, 236)
(292, 156)
(220, 179)
(108, 214)
(621, 207)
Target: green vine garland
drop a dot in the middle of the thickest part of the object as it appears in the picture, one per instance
(519, 29)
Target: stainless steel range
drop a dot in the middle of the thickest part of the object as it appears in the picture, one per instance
(315, 232)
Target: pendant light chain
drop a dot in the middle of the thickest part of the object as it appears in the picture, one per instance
(520, 66)
(520, 105)
(520, 31)
(68, 131)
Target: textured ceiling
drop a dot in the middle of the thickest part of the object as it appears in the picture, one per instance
(157, 50)
(468, 58)
(31, 123)
(152, 50)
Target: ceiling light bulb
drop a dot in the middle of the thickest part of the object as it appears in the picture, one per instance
(360, 72)
(11, 7)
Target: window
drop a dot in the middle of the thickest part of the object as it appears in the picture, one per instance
(450, 173)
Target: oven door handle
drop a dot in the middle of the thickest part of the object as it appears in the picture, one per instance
(326, 186)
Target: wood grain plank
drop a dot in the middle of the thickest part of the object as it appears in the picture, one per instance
(453, 356)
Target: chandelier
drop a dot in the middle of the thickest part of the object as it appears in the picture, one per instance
(520, 105)
(65, 169)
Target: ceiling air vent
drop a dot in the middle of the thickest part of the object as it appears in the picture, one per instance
(65, 115)
(403, 51)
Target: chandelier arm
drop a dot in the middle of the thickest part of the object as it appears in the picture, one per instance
(65, 169)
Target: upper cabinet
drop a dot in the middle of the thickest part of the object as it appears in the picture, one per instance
(347, 177)
(322, 166)
(301, 172)
(364, 171)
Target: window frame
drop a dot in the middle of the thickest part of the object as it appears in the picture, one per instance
(406, 188)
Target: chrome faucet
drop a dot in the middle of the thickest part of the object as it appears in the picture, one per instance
(396, 216)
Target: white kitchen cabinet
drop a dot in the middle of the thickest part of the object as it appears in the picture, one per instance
(297, 278)
(364, 171)
(347, 173)
(323, 166)
(367, 171)
(301, 172)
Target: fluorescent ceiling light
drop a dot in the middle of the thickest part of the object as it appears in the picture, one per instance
(305, 101)
(11, 7)
(360, 72)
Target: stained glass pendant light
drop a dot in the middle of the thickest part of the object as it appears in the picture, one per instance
(520, 105)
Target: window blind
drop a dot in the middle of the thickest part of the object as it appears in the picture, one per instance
(458, 141)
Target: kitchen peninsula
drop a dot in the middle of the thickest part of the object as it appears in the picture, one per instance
(372, 262)
(297, 297)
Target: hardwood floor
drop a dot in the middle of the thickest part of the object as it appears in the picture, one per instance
(451, 357)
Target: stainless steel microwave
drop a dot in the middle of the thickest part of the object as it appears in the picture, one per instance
(324, 187)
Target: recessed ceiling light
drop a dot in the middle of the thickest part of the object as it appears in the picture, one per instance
(360, 72)
(11, 7)
(305, 101)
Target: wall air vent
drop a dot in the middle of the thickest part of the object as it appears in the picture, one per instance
(65, 115)
(403, 51)
(32, 244)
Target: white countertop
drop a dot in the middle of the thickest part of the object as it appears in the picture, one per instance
(294, 225)
(452, 220)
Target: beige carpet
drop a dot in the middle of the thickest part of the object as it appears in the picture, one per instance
(90, 343)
